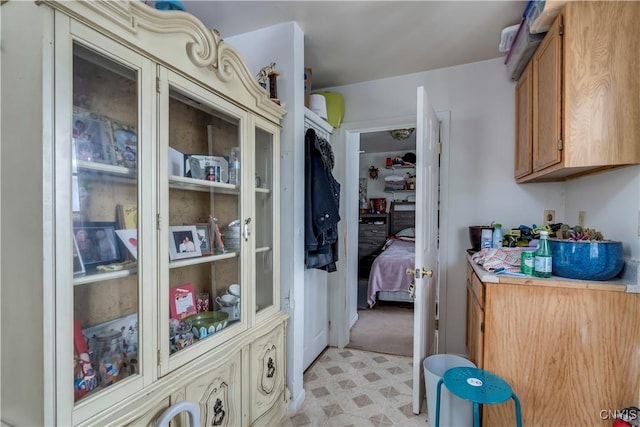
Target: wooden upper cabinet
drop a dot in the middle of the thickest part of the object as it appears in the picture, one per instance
(524, 122)
(547, 99)
(585, 90)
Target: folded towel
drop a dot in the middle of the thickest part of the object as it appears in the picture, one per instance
(507, 258)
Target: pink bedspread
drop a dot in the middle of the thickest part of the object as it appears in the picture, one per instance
(388, 271)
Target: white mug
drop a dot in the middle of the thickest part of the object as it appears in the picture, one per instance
(226, 300)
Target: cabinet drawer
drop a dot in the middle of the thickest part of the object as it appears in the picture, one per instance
(372, 230)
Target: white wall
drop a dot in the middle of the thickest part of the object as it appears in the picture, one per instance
(284, 45)
(481, 187)
(611, 201)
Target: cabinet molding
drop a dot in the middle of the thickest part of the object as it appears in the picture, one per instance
(160, 35)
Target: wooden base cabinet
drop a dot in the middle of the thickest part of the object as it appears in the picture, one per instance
(475, 318)
(568, 349)
(577, 101)
(144, 161)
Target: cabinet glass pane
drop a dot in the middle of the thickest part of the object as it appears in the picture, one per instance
(264, 219)
(204, 220)
(104, 193)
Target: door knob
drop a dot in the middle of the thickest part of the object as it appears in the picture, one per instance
(420, 273)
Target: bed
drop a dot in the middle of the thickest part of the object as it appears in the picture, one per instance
(387, 277)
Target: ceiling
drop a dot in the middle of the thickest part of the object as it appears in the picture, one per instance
(348, 42)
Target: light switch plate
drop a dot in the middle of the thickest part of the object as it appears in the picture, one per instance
(581, 218)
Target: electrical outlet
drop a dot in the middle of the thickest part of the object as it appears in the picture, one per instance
(549, 216)
(581, 217)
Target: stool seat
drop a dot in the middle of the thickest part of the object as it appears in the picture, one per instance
(477, 385)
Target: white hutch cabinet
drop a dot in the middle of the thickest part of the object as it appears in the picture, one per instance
(124, 213)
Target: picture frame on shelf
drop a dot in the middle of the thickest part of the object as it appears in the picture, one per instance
(125, 144)
(210, 168)
(129, 238)
(97, 243)
(182, 301)
(182, 242)
(78, 265)
(204, 237)
(92, 137)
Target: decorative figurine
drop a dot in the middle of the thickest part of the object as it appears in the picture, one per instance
(263, 74)
(373, 172)
(273, 86)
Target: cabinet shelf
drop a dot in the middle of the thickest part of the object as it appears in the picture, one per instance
(193, 184)
(263, 249)
(105, 169)
(399, 191)
(400, 167)
(101, 277)
(201, 260)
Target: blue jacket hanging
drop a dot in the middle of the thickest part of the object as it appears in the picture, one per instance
(321, 204)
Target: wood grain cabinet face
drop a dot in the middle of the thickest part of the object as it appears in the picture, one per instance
(584, 106)
(568, 352)
(475, 319)
(524, 123)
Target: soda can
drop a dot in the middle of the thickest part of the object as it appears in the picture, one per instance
(527, 262)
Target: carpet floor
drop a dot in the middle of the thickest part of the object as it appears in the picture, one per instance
(386, 328)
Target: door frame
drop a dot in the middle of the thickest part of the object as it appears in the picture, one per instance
(343, 286)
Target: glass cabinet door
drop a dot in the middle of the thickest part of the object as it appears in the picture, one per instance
(266, 224)
(205, 220)
(104, 206)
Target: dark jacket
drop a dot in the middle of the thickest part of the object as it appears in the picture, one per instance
(321, 204)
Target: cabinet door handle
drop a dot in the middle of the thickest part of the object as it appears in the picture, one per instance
(247, 233)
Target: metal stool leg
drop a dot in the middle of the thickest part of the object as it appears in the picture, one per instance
(438, 390)
(518, 410)
(476, 415)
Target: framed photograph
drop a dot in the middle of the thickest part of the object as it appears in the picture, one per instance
(92, 137)
(182, 300)
(78, 265)
(125, 144)
(204, 238)
(129, 238)
(211, 168)
(182, 242)
(97, 243)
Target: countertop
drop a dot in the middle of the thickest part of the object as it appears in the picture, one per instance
(627, 283)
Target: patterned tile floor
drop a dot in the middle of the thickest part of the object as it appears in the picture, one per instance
(356, 388)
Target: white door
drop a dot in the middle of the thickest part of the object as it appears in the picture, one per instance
(426, 280)
(316, 316)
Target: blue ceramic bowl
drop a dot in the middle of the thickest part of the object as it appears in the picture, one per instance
(586, 260)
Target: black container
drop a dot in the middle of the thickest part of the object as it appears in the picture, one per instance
(475, 234)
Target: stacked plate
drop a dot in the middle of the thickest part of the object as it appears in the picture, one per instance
(231, 236)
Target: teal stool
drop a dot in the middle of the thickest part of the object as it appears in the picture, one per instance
(479, 387)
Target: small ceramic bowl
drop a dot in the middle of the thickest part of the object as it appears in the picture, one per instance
(586, 260)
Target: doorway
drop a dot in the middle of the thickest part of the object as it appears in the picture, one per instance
(344, 318)
(386, 176)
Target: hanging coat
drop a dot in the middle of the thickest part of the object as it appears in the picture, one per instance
(322, 204)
